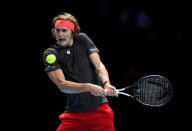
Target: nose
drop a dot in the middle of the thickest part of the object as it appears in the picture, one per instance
(60, 33)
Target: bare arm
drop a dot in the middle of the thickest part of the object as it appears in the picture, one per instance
(102, 71)
(57, 76)
(103, 74)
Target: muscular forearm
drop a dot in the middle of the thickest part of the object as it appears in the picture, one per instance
(72, 87)
(99, 66)
(103, 74)
(66, 86)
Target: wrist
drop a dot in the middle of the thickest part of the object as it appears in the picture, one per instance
(87, 86)
(106, 83)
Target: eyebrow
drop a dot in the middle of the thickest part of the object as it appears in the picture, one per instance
(58, 29)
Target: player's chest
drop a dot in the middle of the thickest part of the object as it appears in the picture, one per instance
(74, 59)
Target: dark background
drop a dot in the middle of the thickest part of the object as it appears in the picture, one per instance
(135, 38)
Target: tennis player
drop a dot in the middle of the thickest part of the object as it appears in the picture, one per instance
(74, 65)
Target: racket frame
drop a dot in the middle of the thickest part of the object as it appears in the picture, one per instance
(119, 91)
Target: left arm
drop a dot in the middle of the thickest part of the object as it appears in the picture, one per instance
(103, 74)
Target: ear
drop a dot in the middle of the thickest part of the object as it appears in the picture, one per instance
(53, 32)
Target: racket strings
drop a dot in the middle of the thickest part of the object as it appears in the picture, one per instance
(153, 91)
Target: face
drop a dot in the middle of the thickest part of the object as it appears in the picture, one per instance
(63, 36)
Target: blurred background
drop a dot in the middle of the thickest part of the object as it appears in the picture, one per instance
(135, 38)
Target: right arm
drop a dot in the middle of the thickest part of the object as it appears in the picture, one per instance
(57, 76)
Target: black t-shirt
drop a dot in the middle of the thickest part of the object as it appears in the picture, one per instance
(77, 67)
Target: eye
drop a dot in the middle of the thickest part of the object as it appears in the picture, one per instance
(64, 30)
(57, 30)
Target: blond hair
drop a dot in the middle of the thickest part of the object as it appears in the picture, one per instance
(69, 17)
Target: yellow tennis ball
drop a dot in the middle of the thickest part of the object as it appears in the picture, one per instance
(51, 58)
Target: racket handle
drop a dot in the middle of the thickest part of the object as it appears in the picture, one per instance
(118, 90)
(122, 93)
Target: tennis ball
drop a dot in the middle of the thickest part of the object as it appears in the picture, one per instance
(51, 58)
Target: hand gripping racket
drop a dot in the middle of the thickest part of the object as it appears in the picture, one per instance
(152, 90)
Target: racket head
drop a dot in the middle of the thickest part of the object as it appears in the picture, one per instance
(153, 90)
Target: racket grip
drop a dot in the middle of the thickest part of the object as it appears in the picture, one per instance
(118, 90)
(122, 93)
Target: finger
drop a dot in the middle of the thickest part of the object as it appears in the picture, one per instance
(109, 92)
(106, 94)
(103, 92)
(116, 93)
(113, 91)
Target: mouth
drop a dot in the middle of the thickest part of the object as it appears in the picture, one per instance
(62, 40)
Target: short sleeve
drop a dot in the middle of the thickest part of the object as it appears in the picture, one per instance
(89, 45)
(50, 60)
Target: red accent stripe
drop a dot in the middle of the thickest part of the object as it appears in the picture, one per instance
(65, 23)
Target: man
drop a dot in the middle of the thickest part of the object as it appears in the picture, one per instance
(74, 65)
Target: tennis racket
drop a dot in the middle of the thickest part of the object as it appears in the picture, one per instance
(152, 90)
